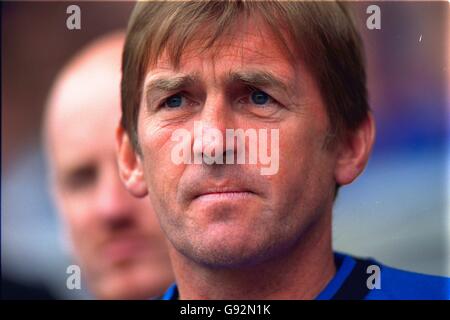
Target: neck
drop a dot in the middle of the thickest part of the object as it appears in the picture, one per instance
(299, 273)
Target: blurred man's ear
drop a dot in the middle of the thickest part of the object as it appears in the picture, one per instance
(353, 152)
(130, 165)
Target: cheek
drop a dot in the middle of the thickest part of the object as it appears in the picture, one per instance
(79, 215)
(298, 149)
(86, 231)
(304, 163)
(161, 173)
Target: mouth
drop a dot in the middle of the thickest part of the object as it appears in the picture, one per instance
(223, 193)
(123, 249)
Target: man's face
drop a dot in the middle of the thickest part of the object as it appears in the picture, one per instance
(231, 214)
(116, 237)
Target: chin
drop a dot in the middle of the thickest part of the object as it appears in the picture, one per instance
(133, 282)
(229, 258)
(227, 250)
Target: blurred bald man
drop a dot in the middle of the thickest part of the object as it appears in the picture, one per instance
(116, 238)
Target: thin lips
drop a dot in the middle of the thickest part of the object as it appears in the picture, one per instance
(224, 189)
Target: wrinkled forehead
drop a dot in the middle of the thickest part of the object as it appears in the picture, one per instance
(244, 39)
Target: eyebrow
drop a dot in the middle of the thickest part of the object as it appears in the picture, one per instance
(254, 78)
(169, 83)
(258, 78)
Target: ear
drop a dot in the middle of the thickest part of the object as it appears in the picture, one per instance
(130, 165)
(353, 152)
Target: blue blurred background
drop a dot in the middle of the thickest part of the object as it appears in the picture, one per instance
(397, 211)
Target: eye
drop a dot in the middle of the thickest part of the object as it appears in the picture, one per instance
(259, 103)
(259, 97)
(81, 178)
(174, 101)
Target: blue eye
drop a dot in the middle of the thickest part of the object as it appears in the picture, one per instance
(174, 101)
(259, 97)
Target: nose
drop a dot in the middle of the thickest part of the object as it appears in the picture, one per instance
(210, 131)
(113, 203)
